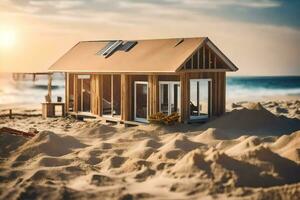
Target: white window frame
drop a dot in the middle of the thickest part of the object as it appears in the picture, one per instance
(200, 117)
(170, 86)
(111, 99)
(137, 118)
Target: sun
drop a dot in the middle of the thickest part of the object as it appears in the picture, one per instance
(7, 38)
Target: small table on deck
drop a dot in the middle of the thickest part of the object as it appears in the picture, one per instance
(48, 109)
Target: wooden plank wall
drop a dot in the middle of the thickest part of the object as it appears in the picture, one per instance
(126, 97)
(184, 85)
(96, 94)
(67, 91)
(153, 100)
(76, 93)
(204, 58)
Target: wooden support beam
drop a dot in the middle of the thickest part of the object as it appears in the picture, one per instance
(95, 96)
(100, 93)
(198, 56)
(204, 57)
(184, 85)
(49, 88)
(81, 94)
(10, 114)
(203, 70)
(224, 93)
(220, 93)
(112, 93)
(125, 97)
(215, 93)
(215, 61)
(153, 94)
(209, 59)
(76, 93)
(67, 91)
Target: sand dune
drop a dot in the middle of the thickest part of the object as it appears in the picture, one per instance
(254, 119)
(288, 146)
(242, 155)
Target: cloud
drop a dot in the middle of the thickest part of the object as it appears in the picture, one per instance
(256, 11)
(65, 4)
(240, 3)
(52, 6)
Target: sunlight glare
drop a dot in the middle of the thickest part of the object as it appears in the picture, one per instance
(7, 38)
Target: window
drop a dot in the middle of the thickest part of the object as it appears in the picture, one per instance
(169, 97)
(111, 100)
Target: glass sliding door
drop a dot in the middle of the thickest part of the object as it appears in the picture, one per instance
(200, 98)
(140, 101)
(169, 97)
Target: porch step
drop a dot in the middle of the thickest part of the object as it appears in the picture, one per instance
(82, 116)
(132, 123)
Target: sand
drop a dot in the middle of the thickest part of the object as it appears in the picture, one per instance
(252, 152)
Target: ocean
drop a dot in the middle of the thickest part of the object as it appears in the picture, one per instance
(28, 91)
(255, 88)
(238, 88)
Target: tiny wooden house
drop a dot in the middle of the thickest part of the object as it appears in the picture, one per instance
(131, 80)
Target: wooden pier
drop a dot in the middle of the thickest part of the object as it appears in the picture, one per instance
(29, 76)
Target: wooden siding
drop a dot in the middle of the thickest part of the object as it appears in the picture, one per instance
(204, 59)
(153, 98)
(96, 95)
(67, 92)
(76, 93)
(184, 85)
(126, 97)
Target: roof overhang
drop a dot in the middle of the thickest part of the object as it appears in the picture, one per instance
(211, 45)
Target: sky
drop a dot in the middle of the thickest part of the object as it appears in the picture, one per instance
(262, 37)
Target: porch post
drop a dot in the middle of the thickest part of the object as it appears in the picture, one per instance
(184, 85)
(125, 97)
(76, 93)
(49, 87)
(67, 91)
(153, 94)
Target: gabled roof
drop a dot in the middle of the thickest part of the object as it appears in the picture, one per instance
(156, 55)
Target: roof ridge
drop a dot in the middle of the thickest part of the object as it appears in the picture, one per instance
(147, 39)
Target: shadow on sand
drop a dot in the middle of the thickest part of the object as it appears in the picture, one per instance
(259, 122)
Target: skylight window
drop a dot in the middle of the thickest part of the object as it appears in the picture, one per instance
(113, 46)
(128, 45)
(179, 42)
(106, 47)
